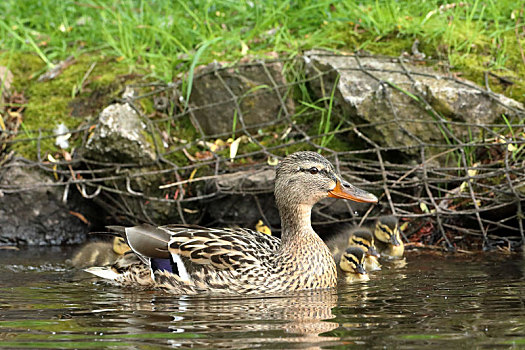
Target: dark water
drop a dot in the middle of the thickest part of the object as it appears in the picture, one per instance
(434, 301)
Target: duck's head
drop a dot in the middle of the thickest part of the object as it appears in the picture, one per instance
(120, 246)
(387, 230)
(352, 261)
(363, 237)
(304, 178)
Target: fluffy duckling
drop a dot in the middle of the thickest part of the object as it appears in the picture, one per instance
(352, 264)
(388, 237)
(361, 237)
(99, 253)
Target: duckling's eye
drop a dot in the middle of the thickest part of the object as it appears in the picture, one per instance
(385, 230)
(313, 170)
(351, 260)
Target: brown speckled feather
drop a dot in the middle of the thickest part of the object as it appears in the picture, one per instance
(221, 248)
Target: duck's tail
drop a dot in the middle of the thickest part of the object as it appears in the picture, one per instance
(105, 272)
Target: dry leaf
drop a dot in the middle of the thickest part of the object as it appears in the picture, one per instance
(234, 147)
(192, 175)
(205, 155)
(80, 216)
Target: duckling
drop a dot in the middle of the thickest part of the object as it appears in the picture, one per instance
(99, 253)
(361, 237)
(352, 264)
(388, 237)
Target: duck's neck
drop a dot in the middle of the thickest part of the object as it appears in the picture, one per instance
(303, 253)
(296, 224)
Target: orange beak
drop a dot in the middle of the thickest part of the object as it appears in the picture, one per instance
(348, 191)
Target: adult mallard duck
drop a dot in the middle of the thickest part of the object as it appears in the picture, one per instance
(347, 236)
(388, 237)
(191, 259)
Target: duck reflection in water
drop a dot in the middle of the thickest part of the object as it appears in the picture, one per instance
(298, 319)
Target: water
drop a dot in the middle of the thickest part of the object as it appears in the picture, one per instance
(433, 301)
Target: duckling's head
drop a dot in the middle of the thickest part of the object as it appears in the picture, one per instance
(363, 237)
(352, 261)
(304, 178)
(387, 230)
(120, 246)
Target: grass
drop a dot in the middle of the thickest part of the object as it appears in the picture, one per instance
(167, 39)
(158, 36)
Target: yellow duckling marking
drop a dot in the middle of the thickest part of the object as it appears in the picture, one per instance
(372, 263)
(361, 237)
(261, 227)
(352, 264)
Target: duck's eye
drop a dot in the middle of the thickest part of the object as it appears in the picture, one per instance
(313, 170)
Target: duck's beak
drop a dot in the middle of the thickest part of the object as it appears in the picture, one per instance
(394, 240)
(372, 251)
(346, 190)
(360, 269)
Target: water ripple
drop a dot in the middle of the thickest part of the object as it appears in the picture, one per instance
(433, 301)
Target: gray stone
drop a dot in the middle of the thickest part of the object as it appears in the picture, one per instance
(242, 210)
(254, 181)
(363, 97)
(37, 216)
(239, 194)
(259, 99)
(247, 197)
(120, 137)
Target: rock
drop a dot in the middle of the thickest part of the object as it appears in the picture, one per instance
(240, 192)
(242, 210)
(37, 216)
(214, 107)
(255, 181)
(362, 98)
(120, 137)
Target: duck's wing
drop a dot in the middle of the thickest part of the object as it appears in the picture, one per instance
(145, 240)
(221, 248)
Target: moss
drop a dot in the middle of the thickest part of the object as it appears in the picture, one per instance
(484, 55)
(504, 63)
(50, 103)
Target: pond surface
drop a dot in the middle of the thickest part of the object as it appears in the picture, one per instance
(433, 301)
